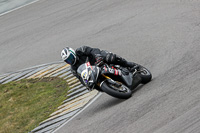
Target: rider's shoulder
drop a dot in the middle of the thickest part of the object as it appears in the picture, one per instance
(83, 49)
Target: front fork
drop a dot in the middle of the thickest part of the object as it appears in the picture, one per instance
(110, 81)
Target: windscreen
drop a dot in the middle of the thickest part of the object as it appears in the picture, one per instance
(80, 69)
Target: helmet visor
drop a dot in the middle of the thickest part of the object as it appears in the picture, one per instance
(70, 59)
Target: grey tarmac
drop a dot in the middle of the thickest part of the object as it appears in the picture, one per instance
(162, 35)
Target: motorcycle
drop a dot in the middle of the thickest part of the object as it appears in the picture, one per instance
(114, 80)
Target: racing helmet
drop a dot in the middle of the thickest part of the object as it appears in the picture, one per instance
(68, 55)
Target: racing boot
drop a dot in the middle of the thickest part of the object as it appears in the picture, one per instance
(132, 66)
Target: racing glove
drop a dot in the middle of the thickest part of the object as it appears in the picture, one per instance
(99, 60)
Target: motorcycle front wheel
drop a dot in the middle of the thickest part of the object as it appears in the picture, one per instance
(122, 92)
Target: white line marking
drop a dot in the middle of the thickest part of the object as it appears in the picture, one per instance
(79, 112)
(18, 8)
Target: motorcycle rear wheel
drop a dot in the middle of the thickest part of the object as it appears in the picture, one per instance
(122, 92)
(145, 74)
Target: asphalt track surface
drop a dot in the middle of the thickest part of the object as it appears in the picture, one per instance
(163, 35)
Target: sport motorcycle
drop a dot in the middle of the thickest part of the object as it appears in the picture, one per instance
(114, 80)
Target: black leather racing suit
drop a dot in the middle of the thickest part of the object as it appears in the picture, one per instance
(92, 53)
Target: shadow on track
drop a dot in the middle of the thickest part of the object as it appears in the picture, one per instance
(111, 102)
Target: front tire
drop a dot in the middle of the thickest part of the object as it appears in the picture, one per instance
(122, 92)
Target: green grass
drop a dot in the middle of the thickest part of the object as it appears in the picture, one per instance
(26, 103)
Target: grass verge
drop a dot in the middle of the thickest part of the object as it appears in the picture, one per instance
(25, 103)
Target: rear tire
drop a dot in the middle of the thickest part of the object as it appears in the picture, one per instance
(145, 74)
(116, 92)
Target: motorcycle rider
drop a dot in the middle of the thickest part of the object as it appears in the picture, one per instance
(95, 56)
